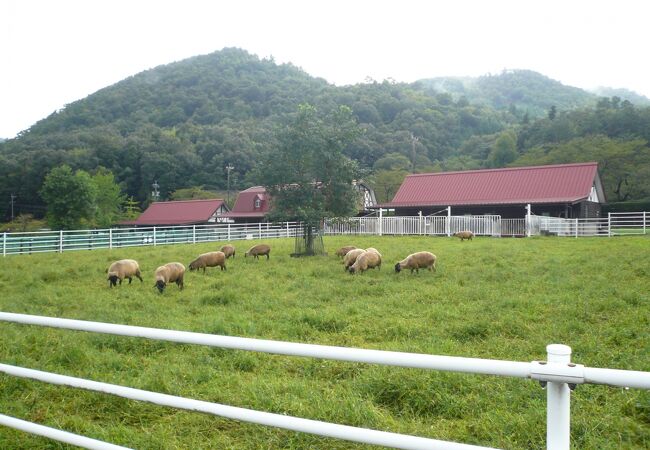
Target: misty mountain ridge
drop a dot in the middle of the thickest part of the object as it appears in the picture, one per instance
(527, 91)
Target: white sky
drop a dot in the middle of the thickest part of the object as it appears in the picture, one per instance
(53, 52)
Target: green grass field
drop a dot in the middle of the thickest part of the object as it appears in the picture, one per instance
(490, 298)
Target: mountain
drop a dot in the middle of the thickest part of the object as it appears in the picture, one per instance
(180, 124)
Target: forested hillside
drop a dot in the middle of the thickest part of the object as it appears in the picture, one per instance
(182, 123)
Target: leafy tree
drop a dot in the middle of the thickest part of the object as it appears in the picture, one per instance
(552, 112)
(108, 198)
(70, 198)
(386, 183)
(131, 209)
(504, 151)
(392, 161)
(307, 175)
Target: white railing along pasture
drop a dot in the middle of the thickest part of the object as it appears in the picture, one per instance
(486, 225)
(60, 241)
(557, 373)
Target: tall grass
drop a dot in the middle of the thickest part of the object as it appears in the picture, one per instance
(490, 298)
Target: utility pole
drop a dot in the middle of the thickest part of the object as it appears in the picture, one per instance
(13, 197)
(229, 167)
(414, 140)
(155, 194)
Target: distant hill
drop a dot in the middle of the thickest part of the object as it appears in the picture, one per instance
(525, 91)
(623, 94)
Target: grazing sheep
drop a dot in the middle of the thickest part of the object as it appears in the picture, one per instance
(257, 250)
(372, 249)
(366, 260)
(464, 235)
(416, 261)
(228, 250)
(210, 259)
(351, 257)
(344, 250)
(169, 273)
(124, 268)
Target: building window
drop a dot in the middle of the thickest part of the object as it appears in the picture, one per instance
(258, 203)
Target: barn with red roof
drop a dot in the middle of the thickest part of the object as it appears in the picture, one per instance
(182, 212)
(252, 205)
(562, 190)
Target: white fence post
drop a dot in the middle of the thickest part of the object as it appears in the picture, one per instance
(558, 402)
(154, 236)
(4, 244)
(193, 234)
(529, 224)
(576, 227)
(381, 221)
(110, 238)
(287, 229)
(448, 224)
(228, 231)
(609, 224)
(61, 241)
(259, 226)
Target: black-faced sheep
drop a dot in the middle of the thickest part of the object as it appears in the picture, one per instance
(228, 250)
(464, 235)
(257, 250)
(366, 260)
(210, 259)
(351, 257)
(344, 250)
(124, 268)
(169, 273)
(416, 261)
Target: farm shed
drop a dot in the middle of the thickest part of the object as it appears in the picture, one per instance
(254, 203)
(183, 212)
(563, 190)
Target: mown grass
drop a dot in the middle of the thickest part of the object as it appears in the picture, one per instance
(491, 298)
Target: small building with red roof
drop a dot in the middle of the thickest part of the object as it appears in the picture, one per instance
(254, 203)
(562, 190)
(181, 212)
(251, 205)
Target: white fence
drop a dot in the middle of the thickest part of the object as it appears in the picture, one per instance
(61, 241)
(487, 225)
(558, 374)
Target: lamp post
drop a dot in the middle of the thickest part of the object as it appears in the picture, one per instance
(155, 194)
(229, 167)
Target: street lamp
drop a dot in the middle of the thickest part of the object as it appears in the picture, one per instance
(229, 167)
(155, 194)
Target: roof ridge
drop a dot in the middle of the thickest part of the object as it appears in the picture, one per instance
(504, 169)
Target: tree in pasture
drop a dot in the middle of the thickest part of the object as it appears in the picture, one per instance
(307, 174)
(108, 198)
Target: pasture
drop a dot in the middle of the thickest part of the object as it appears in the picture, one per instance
(490, 298)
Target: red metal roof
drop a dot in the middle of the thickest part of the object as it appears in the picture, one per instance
(245, 203)
(563, 183)
(181, 212)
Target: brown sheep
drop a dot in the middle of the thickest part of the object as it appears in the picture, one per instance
(416, 261)
(257, 250)
(366, 260)
(464, 235)
(124, 268)
(228, 250)
(372, 249)
(351, 257)
(344, 250)
(169, 273)
(210, 259)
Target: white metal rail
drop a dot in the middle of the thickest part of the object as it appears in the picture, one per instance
(558, 373)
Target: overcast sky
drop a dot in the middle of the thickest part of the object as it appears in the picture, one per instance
(53, 52)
